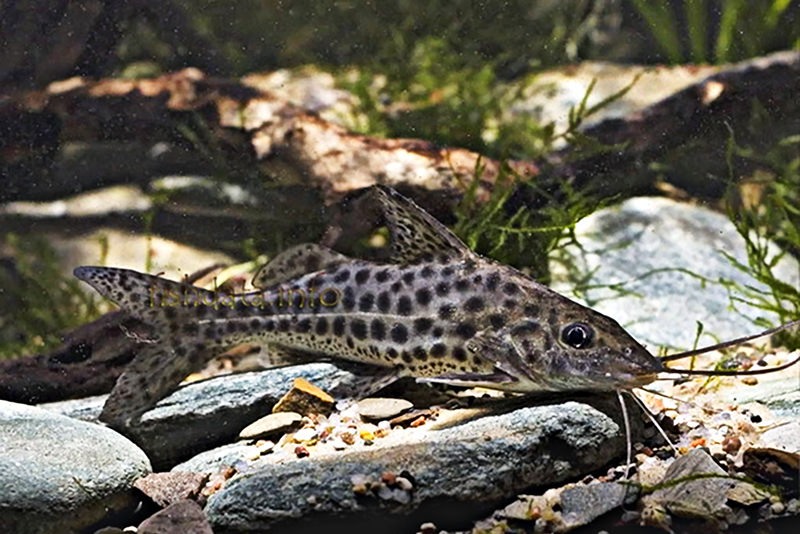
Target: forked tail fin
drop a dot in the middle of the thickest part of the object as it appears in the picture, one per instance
(174, 348)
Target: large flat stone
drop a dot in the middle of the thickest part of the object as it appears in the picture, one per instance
(59, 475)
(457, 467)
(652, 245)
(206, 414)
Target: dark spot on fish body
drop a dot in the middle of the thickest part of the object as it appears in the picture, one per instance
(350, 343)
(284, 325)
(396, 287)
(442, 289)
(492, 281)
(510, 289)
(269, 326)
(362, 276)
(408, 278)
(465, 330)
(406, 357)
(422, 325)
(404, 305)
(437, 332)
(531, 310)
(427, 272)
(342, 276)
(304, 326)
(322, 326)
(349, 300)
(378, 330)
(365, 302)
(338, 326)
(170, 313)
(497, 321)
(420, 354)
(423, 296)
(438, 350)
(474, 304)
(391, 354)
(382, 276)
(384, 302)
(446, 312)
(191, 329)
(462, 285)
(399, 333)
(359, 328)
(460, 354)
(448, 271)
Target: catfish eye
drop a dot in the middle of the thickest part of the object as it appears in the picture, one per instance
(577, 335)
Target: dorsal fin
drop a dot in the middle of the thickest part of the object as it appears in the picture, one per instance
(415, 235)
(294, 262)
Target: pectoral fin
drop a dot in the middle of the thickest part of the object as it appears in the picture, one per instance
(492, 380)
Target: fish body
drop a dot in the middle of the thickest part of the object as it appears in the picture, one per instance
(435, 311)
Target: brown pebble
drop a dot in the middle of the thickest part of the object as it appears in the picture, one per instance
(731, 444)
(750, 381)
(305, 398)
(169, 488)
(301, 452)
(388, 478)
(408, 417)
(419, 421)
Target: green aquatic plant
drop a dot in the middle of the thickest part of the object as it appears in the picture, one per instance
(772, 217)
(685, 31)
(507, 227)
(41, 302)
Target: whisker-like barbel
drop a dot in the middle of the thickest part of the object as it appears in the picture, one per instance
(727, 344)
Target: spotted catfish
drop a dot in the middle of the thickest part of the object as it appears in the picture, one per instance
(435, 311)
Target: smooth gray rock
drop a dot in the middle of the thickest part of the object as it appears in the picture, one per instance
(59, 475)
(465, 463)
(642, 235)
(207, 414)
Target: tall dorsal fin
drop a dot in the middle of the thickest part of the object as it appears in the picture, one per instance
(415, 235)
(294, 262)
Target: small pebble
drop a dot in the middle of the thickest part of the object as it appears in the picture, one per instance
(348, 437)
(419, 421)
(750, 381)
(338, 444)
(427, 528)
(404, 484)
(376, 409)
(778, 508)
(305, 398)
(271, 425)
(731, 444)
(305, 434)
(367, 432)
(301, 452)
(793, 506)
